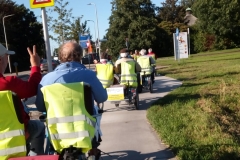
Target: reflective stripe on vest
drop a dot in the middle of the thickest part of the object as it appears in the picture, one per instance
(146, 70)
(9, 134)
(128, 75)
(60, 136)
(67, 119)
(14, 150)
(12, 138)
(144, 62)
(105, 74)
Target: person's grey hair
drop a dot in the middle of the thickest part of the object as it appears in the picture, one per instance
(150, 49)
(143, 52)
(70, 51)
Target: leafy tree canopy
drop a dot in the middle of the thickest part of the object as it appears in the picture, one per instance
(65, 27)
(135, 20)
(22, 31)
(220, 19)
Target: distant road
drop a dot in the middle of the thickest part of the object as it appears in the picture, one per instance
(26, 73)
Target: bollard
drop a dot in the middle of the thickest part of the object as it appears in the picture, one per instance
(16, 69)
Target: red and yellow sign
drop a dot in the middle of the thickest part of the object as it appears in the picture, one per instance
(41, 3)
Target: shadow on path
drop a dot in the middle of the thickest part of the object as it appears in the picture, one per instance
(134, 155)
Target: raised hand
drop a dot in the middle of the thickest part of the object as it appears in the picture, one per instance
(34, 58)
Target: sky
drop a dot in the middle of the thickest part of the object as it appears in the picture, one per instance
(79, 8)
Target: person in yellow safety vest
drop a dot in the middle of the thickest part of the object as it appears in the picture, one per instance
(105, 71)
(12, 138)
(128, 69)
(135, 55)
(67, 109)
(70, 71)
(105, 74)
(146, 62)
(154, 56)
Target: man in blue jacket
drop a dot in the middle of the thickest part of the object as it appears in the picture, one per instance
(69, 71)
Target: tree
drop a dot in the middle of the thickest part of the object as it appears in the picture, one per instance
(171, 15)
(219, 21)
(61, 26)
(78, 28)
(22, 31)
(65, 26)
(135, 20)
(187, 3)
(171, 11)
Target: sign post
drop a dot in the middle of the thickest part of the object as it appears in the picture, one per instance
(177, 44)
(127, 43)
(42, 4)
(188, 31)
(181, 45)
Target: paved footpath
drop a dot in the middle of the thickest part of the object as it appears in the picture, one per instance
(127, 135)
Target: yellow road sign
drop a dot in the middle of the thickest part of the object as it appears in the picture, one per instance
(41, 3)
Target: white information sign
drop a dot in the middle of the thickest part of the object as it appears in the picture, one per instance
(183, 44)
(115, 94)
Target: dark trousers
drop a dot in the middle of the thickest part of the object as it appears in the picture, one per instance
(152, 76)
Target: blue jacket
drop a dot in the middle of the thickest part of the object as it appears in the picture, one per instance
(70, 72)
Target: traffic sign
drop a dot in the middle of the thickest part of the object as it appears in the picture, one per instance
(41, 3)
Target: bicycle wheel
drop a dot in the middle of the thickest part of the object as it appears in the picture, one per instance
(136, 101)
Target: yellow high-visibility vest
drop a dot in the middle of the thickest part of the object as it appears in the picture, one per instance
(68, 121)
(105, 74)
(144, 62)
(136, 57)
(12, 137)
(128, 74)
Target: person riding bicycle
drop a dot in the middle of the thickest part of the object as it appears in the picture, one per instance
(105, 71)
(69, 71)
(146, 62)
(135, 55)
(154, 56)
(34, 129)
(128, 69)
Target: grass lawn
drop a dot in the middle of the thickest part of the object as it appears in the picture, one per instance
(201, 119)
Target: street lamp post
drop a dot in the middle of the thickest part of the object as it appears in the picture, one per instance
(95, 34)
(9, 62)
(97, 25)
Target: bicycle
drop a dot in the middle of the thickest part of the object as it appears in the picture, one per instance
(124, 93)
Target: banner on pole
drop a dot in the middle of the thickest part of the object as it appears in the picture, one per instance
(85, 42)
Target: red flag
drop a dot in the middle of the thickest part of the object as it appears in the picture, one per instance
(89, 46)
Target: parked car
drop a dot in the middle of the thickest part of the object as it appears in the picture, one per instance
(88, 58)
(44, 64)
